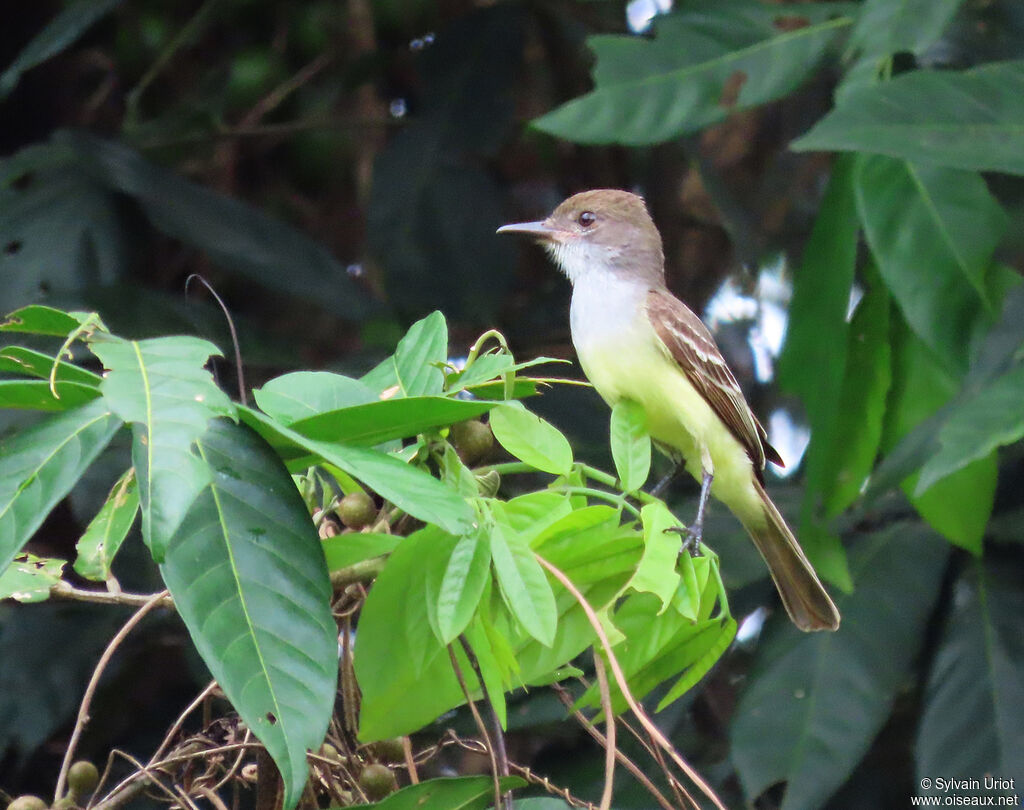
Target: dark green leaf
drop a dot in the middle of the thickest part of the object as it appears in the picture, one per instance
(29, 578)
(975, 690)
(884, 27)
(968, 120)
(706, 61)
(816, 701)
(105, 533)
(36, 395)
(301, 394)
(248, 578)
(40, 465)
(234, 235)
(933, 231)
(524, 584)
(407, 487)
(160, 385)
(39, 320)
(64, 29)
(813, 361)
(382, 420)
(420, 355)
(991, 418)
(19, 360)
(858, 424)
(529, 438)
(454, 793)
(631, 444)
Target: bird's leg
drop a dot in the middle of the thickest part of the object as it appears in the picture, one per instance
(695, 531)
(663, 484)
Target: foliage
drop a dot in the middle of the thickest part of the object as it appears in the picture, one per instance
(337, 170)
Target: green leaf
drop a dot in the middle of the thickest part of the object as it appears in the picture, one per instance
(448, 793)
(959, 506)
(30, 578)
(344, 550)
(36, 395)
(491, 366)
(39, 320)
(248, 578)
(813, 360)
(967, 120)
(160, 385)
(420, 354)
(40, 465)
(631, 444)
(529, 438)
(407, 487)
(884, 27)
(975, 689)
(991, 418)
(462, 584)
(104, 535)
(657, 570)
(19, 360)
(815, 702)
(523, 582)
(295, 396)
(63, 30)
(380, 421)
(932, 231)
(859, 422)
(705, 61)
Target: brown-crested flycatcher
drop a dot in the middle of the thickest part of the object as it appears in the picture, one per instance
(635, 340)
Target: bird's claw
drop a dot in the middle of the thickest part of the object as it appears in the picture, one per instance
(691, 538)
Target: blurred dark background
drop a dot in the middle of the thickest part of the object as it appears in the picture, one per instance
(336, 170)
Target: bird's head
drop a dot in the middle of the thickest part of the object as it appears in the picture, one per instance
(601, 230)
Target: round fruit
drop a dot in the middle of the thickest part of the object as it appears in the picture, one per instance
(473, 440)
(28, 803)
(390, 750)
(356, 510)
(377, 781)
(83, 778)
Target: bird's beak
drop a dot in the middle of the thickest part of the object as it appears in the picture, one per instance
(540, 229)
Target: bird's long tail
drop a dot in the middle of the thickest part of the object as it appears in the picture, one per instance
(804, 597)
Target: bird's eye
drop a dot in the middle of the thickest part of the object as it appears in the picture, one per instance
(586, 219)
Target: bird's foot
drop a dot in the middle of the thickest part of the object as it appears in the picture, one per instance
(691, 537)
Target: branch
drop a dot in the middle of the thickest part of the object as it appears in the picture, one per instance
(480, 725)
(65, 590)
(83, 710)
(620, 679)
(609, 744)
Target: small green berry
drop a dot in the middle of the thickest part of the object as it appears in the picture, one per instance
(28, 802)
(377, 781)
(472, 439)
(357, 510)
(389, 750)
(83, 777)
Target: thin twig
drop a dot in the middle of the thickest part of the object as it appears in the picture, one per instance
(563, 695)
(90, 690)
(500, 752)
(620, 679)
(609, 744)
(169, 737)
(410, 763)
(239, 373)
(65, 590)
(480, 724)
(278, 94)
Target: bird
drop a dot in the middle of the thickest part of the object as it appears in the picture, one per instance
(635, 340)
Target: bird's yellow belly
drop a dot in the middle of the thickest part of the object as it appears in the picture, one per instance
(635, 367)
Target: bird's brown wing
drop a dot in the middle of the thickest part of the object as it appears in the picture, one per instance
(693, 348)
